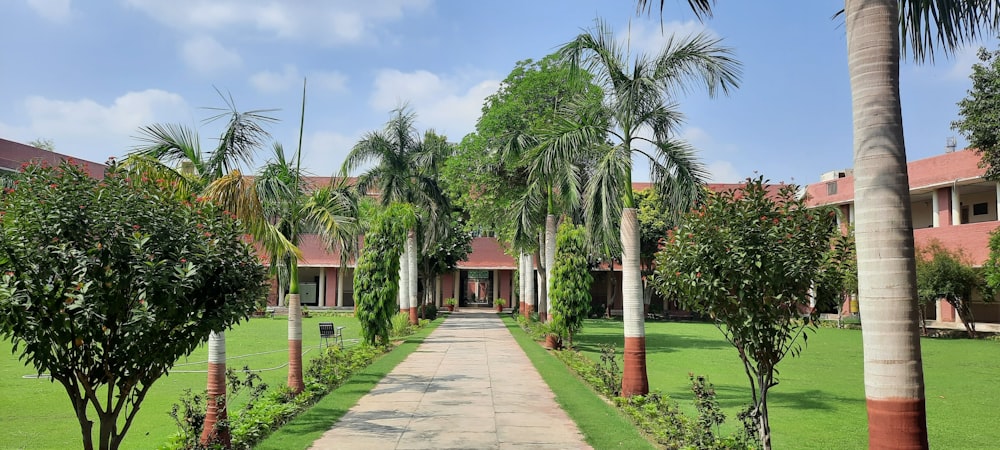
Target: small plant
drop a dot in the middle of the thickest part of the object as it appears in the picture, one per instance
(400, 325)
(451, 303)
(500, 302)
(608, 372)
(428, 311)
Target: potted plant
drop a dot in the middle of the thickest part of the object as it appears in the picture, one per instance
(450, 303)
(500, 303)
(553, 333)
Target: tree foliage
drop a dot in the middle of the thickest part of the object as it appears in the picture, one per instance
(980, 112)
(98, 272)
(376, 277)
(944, 273)
(748, 259)
(571, 280)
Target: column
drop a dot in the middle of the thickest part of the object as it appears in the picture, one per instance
(454, 291)
(340, 286)
(998, 202)
(956, 207)
(322, 287)
(437, 291)
(496, 284)
(935, 207)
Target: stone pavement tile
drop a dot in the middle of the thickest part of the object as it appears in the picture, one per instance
(448, 440)
(468, 386)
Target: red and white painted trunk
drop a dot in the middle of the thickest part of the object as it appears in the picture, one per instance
(634, 380)
(550, 261)
(404, 285)
(412, 277)
(295, 382)
(522, 277)
(215, 410)
(529, 286)
(894, 383)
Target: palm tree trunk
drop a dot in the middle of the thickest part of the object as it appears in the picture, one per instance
(529, 284)
(215, 410)
(634, 381)
(540, 278)
(404, 285)
(894, 384)
(295, 382)
(412, 274)
(550, 262)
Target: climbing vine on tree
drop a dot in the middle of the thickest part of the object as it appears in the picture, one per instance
(571, 280)
(376, 277)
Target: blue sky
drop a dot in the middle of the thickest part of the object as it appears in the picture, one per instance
(88, 74)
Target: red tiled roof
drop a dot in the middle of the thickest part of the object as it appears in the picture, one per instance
(487, 254)
(13, 155)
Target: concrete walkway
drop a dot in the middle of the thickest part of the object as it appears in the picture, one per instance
(468, 386)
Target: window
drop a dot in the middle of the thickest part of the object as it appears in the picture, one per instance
(980, 209)
(831, 188)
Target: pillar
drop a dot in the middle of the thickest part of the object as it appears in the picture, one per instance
(340, 286)
(956, 207)
(322, 287)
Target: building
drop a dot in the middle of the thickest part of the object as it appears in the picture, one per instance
(951, 203)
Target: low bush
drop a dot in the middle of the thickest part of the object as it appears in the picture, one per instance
(400, 325)
(656, 415)
(268, 409)
(428, 311)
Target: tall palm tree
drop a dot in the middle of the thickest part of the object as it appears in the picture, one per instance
(403, 173)
(643, 120)
(879, 32)
(173, 152)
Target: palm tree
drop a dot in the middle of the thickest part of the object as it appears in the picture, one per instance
(173, 152)
(879, 32)
(403, 173)
(643, 120)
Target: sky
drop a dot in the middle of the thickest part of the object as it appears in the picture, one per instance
(88, 74)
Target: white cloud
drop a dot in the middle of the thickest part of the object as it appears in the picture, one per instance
(54, 10)
(288, 77)
(650, 38)
(206, 55)
(963, 60)
(723, 172)
(450, 105)
(323, 152)
(93, 131)
(271, 82)
(320, 20)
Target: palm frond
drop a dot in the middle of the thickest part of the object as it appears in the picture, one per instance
(604, 196)
(170, 143)
(701, 8)
(678, 176)
(688, 61)
(243, 135)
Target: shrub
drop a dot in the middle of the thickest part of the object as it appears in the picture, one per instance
(400, 325)
(428, 311)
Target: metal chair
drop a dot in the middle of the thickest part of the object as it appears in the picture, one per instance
(328, 331)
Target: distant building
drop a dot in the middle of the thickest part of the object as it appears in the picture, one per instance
(950, 202)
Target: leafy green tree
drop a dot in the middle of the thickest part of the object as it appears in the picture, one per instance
(638, 110)
(376, 277)
(944, 273)
(404, 170)
(748, 259)
(980, 120)
(571, 280)
(879, 33)
(838, 281)
(98, 272)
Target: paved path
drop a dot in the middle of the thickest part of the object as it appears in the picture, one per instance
(468, 386)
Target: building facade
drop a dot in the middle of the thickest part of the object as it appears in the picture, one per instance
(951, 203)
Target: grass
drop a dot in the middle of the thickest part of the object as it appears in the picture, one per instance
(37, 412)
(819, 403)
(601, 424)
(309, 426)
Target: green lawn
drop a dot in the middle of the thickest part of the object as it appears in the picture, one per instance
(37, 413)
(819, 403)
